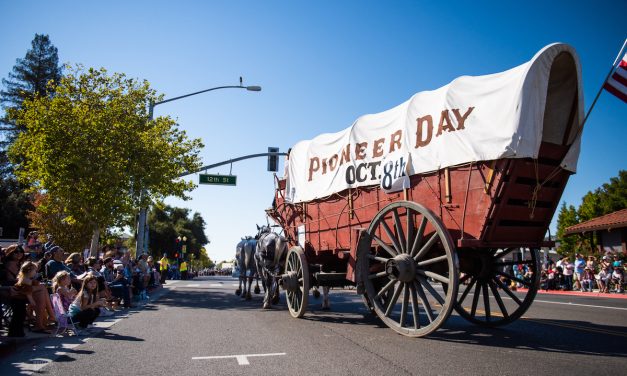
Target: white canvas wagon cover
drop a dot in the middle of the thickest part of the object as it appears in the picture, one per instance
(502, 115)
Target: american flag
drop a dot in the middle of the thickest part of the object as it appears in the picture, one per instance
(617, 83)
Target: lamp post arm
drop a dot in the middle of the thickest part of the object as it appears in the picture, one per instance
(249, 88)
(229, 162)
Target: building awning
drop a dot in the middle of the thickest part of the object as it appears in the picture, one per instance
(615, 220)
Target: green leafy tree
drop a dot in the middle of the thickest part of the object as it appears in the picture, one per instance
(92, 148)
(168, 223)
(566, 217)
(613, 195)
(15, 203)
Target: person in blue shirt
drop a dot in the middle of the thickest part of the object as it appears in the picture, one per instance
(580, 265)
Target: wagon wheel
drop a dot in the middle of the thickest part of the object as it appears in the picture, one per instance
(488, 274)
(296, 282)
(399, 258)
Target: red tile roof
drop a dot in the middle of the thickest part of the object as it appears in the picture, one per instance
(615, 220)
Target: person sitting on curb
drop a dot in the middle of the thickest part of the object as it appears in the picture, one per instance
(617, 279)
(587, 279)
(86, 307)
(114, 278)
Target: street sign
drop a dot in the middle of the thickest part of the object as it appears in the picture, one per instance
(218, 179)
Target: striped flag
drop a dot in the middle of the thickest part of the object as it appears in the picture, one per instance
(617, 83)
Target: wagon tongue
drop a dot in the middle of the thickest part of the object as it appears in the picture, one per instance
(402, 267)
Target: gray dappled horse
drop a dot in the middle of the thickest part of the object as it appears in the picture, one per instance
(270, 257)
(245, 256)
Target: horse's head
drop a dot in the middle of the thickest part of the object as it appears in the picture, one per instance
(262, 230)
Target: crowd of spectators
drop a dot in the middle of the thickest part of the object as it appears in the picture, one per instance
(88, 287)
(585, 274)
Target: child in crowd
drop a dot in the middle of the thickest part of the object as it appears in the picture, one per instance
(86, 306)
(617, 279)
(61, 284)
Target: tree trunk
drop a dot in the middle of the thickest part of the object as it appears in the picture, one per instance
(93, 249)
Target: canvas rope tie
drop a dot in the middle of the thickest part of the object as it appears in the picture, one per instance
(536, 190)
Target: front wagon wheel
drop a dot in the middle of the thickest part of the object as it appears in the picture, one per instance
(404, 260)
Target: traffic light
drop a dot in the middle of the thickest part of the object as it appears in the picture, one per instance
(273, 160)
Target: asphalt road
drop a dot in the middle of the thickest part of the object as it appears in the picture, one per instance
(201, 327)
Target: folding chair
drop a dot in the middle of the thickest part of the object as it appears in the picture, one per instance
(65, 320)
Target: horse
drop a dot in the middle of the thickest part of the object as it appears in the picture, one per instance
(245, 257)
(270, 257)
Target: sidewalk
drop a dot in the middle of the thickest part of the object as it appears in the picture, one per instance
(35, 350)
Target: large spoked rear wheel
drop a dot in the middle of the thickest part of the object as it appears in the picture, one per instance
(296, 282)
(491, 291)
(405, 258)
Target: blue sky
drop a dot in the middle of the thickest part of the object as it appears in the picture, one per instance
(321, 65)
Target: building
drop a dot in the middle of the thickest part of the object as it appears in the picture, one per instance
(611, 231)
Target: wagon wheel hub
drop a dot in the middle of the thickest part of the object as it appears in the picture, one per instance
(289, 281)
(402, 267)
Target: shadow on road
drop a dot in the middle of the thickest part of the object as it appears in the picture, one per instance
(554, 336)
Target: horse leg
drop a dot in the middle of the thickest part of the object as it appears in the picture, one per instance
(325, 298)
(266, 297)
(239, 290)
(275, 295)
(250, 282)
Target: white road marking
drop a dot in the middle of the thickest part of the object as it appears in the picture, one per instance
(193, 285)
(242, 360)
(216, 285)
(581, 305)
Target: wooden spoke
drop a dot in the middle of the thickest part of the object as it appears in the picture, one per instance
(508, 291)
(377, 258)
(410, 230)
(404, 304)
(389, 250)
(468, 288)
(498, 299)
(419, 235)
(475, 300)
(429, 288)
(391, 235)
(509, 276)
(432, 261)
(393, 301)
(437, 277)
(427, 246)
(399, 231)
(378, 275)
(486, 302)
(425, 302)
(386, 288)
(414, 306)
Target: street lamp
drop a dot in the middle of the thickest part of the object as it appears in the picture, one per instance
(141, 243)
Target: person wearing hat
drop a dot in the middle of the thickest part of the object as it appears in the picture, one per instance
(13, 258)
(587, 279)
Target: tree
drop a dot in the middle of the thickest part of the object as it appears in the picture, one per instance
(613, 195)
(167, 223)
(92, 148)
(30, 77)
(48, 217)
(567, 217)
(34, 75)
